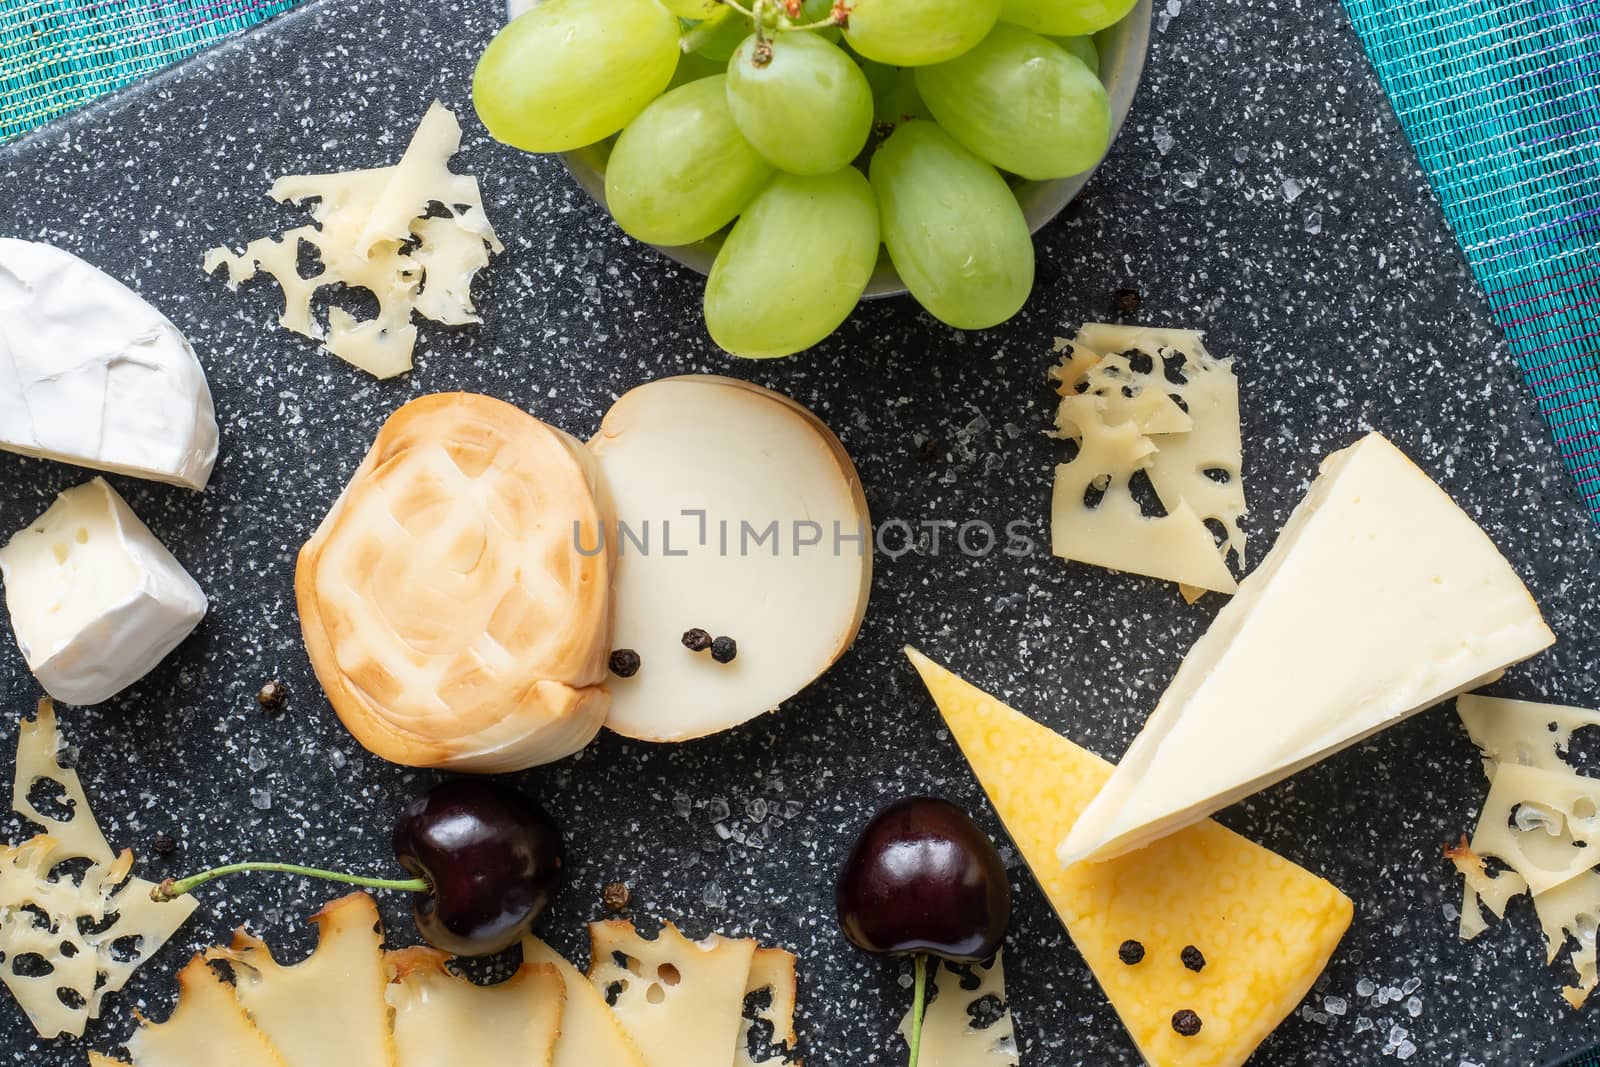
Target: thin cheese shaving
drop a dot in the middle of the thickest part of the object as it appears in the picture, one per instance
(767, 1035)
(374, 231)
(591, 1033)
(968, 1024)
(206, 1029)
(442, 1018)
(39, 761)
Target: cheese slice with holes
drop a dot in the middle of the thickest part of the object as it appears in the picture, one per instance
(1267, 928)
(91, 374)
(96, 600)
(38, 764)
(330, 1007)
(1380, 599)
(374, 232)
(442, 1018)
(969, 1023)
(1545, 825)
(207, 1028)
(591, 1033)
(681, 1001)
(767, 1035)
(1522, 731)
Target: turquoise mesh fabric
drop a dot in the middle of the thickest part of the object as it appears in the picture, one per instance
(1502, 100)
(1500, 97)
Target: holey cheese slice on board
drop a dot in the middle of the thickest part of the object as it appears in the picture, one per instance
(1265, 926)
(591, 1033)
(91, 374)
(1380, 598)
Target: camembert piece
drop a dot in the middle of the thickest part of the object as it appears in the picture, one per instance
(91, 374)
(725, 500)
(1265, 927)
(1540, 822)
(328, 1009)
(1380, 599)
(206, 1029)
(591, 1033)
(1152, 406)
(968, 1024)
(445, 604)
(442, 1018)
(95, 600)
(375, 232)
(681, 1001)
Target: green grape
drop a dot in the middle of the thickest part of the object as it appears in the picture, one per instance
(693, 9)
(808, 109)
(1065, 18)
(692, 67)
(894, 94)
(954, 231)
(719, 35)
(681, 171)
(571, 72)
(1023, 103)
(1084, 48)
(910, 33)
(795, 264)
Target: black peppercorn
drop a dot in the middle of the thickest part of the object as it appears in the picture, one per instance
(164, 845)
(1126, 301)
(273, 695)
(1193, 958)
(1130, 952)
(624, 663)
(1186, 1022)
(616, 897)
(696, 640)
(723, 649)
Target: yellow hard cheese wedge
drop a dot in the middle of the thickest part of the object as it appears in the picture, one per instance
(1265, 927)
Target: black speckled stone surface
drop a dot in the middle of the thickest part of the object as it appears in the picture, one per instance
(1262, 189)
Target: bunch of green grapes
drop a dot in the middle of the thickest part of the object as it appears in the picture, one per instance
(815, 132)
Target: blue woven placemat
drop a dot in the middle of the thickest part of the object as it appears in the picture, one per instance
(1500, 97)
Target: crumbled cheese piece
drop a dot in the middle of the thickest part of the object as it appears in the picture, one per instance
(969, 1023)
(767, 1035)
(89, 935)
(1155, 404)
(680, 1000)
(442, 1018)
(329, 1008)
(591, 1034)
(375, 232)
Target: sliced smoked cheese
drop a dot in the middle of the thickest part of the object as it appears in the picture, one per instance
(1265, 927)
(330, 1007)
(441, 1018)
(734, 510)
(591, 1033)
(1381, 598)
(208, 1028)
(445, 603)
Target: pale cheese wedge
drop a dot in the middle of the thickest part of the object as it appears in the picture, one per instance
(441, 1018)
(966, 1027)
(1266, 927)
(767, 1035)
(681, 1001)
(330, 1007)
(1380, 599)
(208, 1028)
(591, 1032)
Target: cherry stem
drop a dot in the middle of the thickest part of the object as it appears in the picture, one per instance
(919, 1000)
(172, 889)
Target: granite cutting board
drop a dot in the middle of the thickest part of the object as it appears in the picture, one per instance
(1262, 190)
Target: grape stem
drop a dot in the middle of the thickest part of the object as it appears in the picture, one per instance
(919, 1000)
(172, 889)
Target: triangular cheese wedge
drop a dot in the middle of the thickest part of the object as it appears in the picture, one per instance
(442, 1018)
(591, 1033)
(681, 1001)
(1381, 598)
(329, 1008)
(1265, 926)
(206, 1029)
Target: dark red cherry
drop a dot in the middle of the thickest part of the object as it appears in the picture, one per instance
(492, 856)
(923, 878)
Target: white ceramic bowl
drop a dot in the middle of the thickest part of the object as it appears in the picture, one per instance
(1122, 54)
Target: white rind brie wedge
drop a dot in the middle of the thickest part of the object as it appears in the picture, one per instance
(96, 600)
(93, 375)
(1380, 599)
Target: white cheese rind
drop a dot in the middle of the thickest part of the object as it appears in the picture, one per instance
(96, 601)
(1381, 598)
(91, 374)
